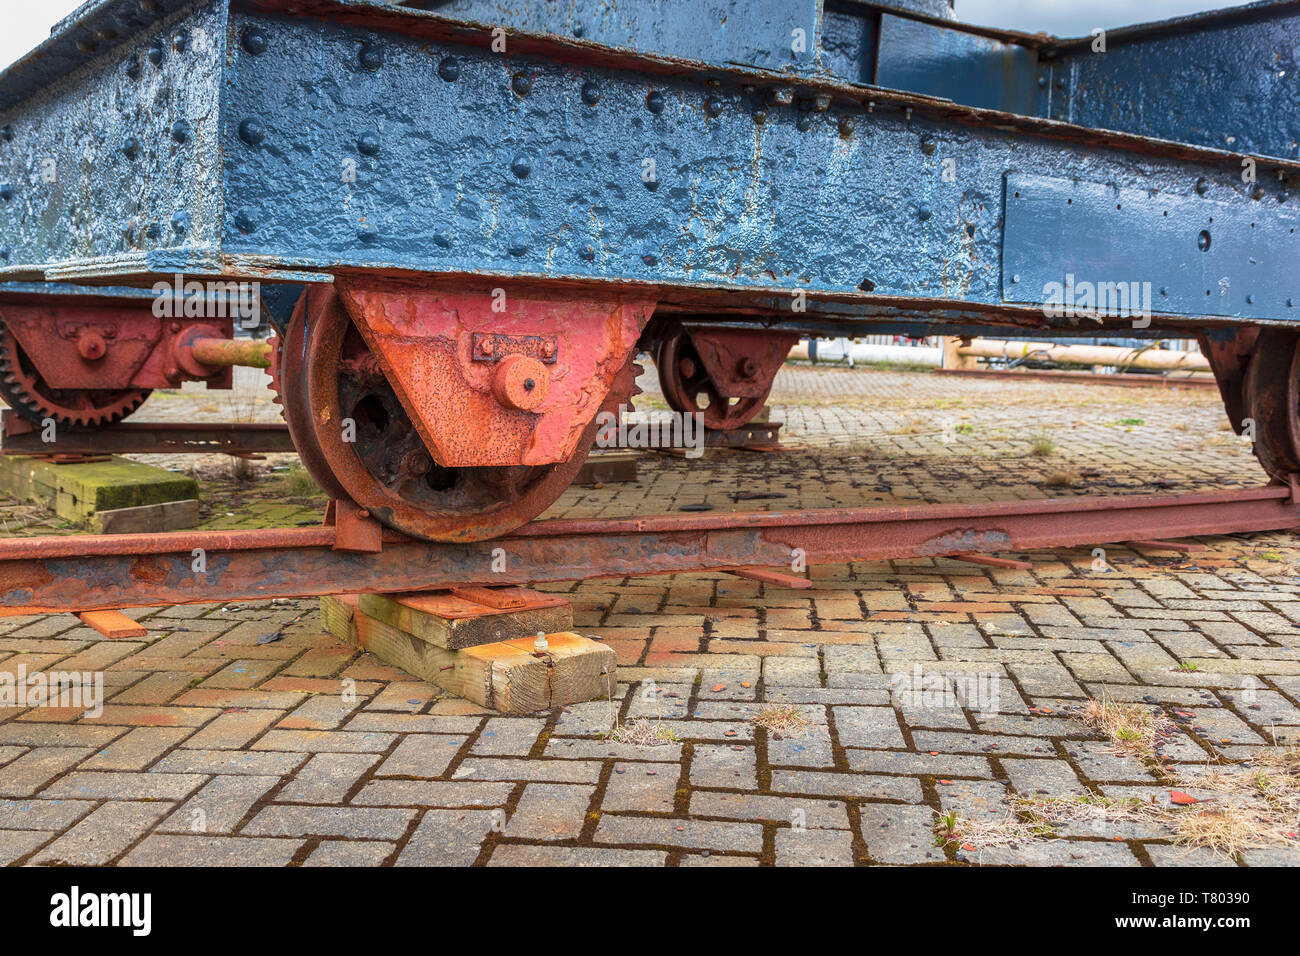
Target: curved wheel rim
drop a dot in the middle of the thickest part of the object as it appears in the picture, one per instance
(682, 378)
(375, 470)
(1273, 401)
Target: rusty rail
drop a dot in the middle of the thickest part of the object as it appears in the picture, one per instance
(85, 572)
(148, 438)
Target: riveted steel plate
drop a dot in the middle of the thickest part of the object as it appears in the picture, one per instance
(1202, 255)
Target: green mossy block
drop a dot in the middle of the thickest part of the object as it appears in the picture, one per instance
(76, 492)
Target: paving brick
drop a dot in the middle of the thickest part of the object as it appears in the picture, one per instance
(814, 847)
(326, 778)
(550, 811)
(448, 838)
(350, 853)
(647, 787)
(33, 770)
(137, 749)
(899, 835)
(615, 829)
(432, 793)
(421, 755)
(167, 849)
(569, 856)
(104, 834)
(351, 822)
(219, 806)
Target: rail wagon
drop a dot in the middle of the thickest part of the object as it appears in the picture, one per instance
(465, 219)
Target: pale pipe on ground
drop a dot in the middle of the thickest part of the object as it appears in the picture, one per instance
(1116, 355)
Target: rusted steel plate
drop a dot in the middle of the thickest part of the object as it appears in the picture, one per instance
(85, 572)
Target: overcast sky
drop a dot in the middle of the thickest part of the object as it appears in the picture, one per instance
(25, 23)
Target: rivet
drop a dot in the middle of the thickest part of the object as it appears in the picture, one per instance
(251, 131)
(6, 191)
(368, 144)
(803, 123)
(155, 53)
(654, 101)
(244, 221)
(783, 96)
(517, 246)
(847, 126)
(152, 231)
(928, 144)
(87, 45)
(521, 167)
(821, 102)
(181, 40)
(1042, 82)
(650, 259)
(587, 252)
(1258, 193)
(1202, 187)
(650, 184)
(449, 69)
(923, 212)
(130, 149)
(1203, 241)
(181, 131)
(368, 234)
(371, 56)
(253, 41)
(7, 133)
(1015, 279)
(180, 221)
(1290, 303)
(712, 106)
(1164, 290)
(521, 83)
(442, 238)
(4, 253)
(129, 232)
(133, 67)
(1250, 300)
(579, 30)
(760, 116)
(590, 93)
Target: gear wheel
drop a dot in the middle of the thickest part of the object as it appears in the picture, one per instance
(23, 389)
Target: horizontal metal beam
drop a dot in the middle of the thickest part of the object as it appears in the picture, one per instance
(561, 161)
(82, 572)
(148, 438)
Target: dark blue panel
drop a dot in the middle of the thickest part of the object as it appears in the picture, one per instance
(1231, 81)
(1199, 255)
(962, 67)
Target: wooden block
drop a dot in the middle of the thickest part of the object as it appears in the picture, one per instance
(606, 467)
(451, 621)
(769, 576)
(113, 624)
(75, 492)
(506, 676)
(168, 516)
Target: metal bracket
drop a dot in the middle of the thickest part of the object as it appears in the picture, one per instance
(354, 530)
(492, 347)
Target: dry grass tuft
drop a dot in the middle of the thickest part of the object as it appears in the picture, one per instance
(973, 834)
(1065, 478)
(1055, 811)
(640, 732)
(1132, 728)
(783, 720)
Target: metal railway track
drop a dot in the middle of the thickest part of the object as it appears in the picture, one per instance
(82, 572)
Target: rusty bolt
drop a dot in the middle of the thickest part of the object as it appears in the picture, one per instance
(548, 349)
(747, 367)
(91, 345)
(417, 463)
(175, 326)
(520, 382)
(485, 347)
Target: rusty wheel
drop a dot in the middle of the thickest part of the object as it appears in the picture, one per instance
(684, 380)
(358, 441)
(25, 391)
(1273, 401)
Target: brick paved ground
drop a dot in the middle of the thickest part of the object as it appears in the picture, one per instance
(220, 744)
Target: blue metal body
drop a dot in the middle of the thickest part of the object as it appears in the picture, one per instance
(292, 141)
